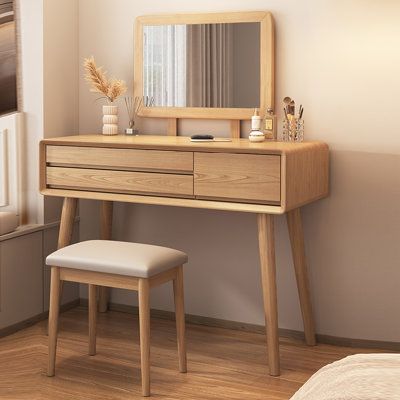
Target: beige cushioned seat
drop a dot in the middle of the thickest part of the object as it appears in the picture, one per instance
(121, 258)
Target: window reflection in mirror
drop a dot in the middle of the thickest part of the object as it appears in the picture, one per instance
(202, 65)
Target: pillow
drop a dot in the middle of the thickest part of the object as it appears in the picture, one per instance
(8, 222)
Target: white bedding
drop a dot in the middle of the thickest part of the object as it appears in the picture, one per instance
(358, 377)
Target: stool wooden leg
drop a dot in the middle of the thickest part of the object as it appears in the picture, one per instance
(180, 319)
(144, 322)
(268, 278)
(53, 318)
(300, 267)
(66, 231)
(106, 217)
(92, 319)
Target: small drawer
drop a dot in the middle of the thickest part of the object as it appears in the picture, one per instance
(151, 183)
(122, 159)
(254, 178)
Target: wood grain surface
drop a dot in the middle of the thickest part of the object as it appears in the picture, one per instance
(183, 143)
(222, 363)
(267, 61)
(120, 181)
(237, 176)
(152, 160)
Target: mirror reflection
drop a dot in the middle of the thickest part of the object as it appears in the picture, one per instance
(202, 65)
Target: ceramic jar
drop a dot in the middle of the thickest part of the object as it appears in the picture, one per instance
(110, 120)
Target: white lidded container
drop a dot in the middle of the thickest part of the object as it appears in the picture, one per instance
(256, 135)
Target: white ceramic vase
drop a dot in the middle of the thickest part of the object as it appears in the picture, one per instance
(110, 120)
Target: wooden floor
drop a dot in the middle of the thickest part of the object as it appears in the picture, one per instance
(222, 363)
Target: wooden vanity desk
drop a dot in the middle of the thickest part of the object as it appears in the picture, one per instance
(264, 178)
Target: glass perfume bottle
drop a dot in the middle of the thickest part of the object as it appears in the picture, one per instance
(269, 124)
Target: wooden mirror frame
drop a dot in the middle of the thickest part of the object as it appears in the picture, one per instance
(267, 60)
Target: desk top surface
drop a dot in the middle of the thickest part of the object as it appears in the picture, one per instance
(182, 143)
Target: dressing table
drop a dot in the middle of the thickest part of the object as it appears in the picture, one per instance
(265, 178)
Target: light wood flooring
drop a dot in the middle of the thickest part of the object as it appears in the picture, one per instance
(222, 363)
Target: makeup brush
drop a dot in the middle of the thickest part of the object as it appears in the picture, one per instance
(292, 107)
(284, 110)
(287, 100)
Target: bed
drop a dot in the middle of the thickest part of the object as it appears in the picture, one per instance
(357, 377)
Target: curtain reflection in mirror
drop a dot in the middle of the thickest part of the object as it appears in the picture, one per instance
(209, 65)
(202, 65)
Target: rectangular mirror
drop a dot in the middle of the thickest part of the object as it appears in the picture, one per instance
(204, 66)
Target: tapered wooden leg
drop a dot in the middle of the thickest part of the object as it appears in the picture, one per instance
(92, 319)
(268, 278)
(106, 216)
(144, 323)
(300, 267)
(67, 222)
(180, 319)
(53, 318)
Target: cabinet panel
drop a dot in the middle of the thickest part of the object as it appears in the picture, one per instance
(133, 159)
(120, 181)
(21, 278)
(237, 177)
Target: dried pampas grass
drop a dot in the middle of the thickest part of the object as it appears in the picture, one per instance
(99, 82)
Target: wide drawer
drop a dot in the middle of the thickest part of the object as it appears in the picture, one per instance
(120, 181)
(238, 177)
(129, 159)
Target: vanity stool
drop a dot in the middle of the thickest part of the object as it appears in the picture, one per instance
(120, 265)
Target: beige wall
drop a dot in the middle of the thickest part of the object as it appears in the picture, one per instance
(339, 59)
(48, 89)
(60, 71)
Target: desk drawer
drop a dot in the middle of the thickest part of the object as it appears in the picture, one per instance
(254, 178)
(122, 159)
(120, 181)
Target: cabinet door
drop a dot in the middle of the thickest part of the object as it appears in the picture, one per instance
(238, 177)
(21, 278)
(120, 181)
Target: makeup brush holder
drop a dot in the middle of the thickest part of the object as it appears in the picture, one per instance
(293, 130)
